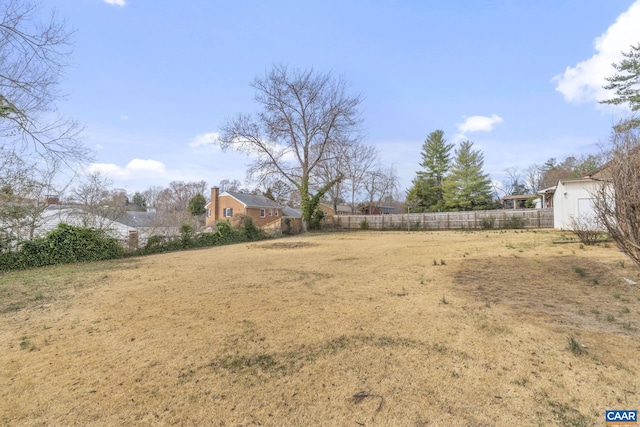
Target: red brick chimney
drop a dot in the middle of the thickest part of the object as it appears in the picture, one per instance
(213, 206)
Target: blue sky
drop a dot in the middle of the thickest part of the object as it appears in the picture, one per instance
(152, 79)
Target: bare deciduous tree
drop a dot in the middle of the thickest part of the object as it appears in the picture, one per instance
(380, 184)
(152, 195)
(303, 114)
(229, 185)
(100, 204)
(176, 197)
(281, 191)
(515, 183)
(617, 199)
(32, 57)
(533, 177)
(25, 187)
(360, 161)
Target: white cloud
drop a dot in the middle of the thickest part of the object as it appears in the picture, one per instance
(120, 3)
(479, 123)
(204, 139)
(145, 165)
(132, 170)
(583, 82)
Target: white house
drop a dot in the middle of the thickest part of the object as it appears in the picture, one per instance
(573, 198)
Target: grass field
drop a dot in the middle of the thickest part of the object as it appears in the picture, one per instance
(476, 328)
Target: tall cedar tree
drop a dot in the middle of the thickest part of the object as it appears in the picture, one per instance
(427, 190)
(467, 187)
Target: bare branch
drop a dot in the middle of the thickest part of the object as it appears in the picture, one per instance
(617, 199)
(33, 55)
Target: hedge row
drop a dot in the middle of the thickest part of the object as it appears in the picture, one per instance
(69, 244)
(63, 245)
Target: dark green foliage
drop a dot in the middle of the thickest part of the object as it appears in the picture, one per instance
(197, 205)
(225, 234)
(531, 202)
(249, 230)
(316, 220)
(364, 225)
(66, 244)
(186, 235)
(626, 82)
(138, 203)
(427, 191)
(467, 187)
(425, 195)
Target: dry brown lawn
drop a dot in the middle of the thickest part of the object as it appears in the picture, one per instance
(345, 329)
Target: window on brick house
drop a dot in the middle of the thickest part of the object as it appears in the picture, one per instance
(228, 212)
(262, 213)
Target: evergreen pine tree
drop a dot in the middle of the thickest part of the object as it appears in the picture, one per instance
(467, 187)
(427, 191)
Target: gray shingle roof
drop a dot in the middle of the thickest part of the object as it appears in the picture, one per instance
(253, 200)
(138, 219)
(291, 212)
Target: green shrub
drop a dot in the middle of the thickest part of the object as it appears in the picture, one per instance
(249, 230)
(488, 223)
(223, 228)
(316, 219)
(514, 222)
(530, 203)
(186, 235)
(364, 225)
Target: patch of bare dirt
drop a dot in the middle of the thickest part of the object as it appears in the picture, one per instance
(565, 289)
(285, 245)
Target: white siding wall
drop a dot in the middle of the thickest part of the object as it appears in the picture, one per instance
(572, 199)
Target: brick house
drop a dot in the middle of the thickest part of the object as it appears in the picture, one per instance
(229, 203)
(341, 209)
(377, 210)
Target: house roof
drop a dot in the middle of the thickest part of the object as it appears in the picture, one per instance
(518, 197)
(581, 179)
(138, 219)
(341, 208)
(547, 190)
(252, 200)
(291, 212)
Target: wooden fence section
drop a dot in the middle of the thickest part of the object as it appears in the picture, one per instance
(525, 218)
